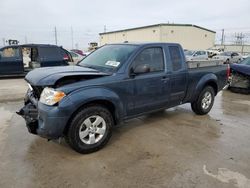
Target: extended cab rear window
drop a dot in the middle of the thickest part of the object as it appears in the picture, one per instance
(175, 56)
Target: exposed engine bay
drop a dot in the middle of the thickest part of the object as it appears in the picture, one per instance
(239, 83)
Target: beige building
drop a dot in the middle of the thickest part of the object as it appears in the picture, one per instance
(191, 37)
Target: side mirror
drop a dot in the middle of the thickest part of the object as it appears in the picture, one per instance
(140, 69)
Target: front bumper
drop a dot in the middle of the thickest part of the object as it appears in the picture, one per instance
(46, 121)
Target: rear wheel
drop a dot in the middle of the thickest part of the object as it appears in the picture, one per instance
(204, 102)
(90, 129)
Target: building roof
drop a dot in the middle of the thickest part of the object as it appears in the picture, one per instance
(31, 45)
(157, 25)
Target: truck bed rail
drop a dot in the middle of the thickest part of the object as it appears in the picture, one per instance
(203, 63)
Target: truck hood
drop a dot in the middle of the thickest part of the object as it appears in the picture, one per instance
(240, 68)
(48, 76)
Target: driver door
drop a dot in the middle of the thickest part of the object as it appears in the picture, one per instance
(149, 87)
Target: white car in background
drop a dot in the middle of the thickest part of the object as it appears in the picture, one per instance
(229, 57)
(76, 57)
(245, 56)
(196, 55)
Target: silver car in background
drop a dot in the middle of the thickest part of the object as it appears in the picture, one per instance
(229, 57)
(196, 55)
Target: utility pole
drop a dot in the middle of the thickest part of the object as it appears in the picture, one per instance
(3, 41)
(105, 29)
(25, 39)
(55, 36)
(222, 37)
(239, 38)
(72, 39)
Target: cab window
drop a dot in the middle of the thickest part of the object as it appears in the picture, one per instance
(151, 57)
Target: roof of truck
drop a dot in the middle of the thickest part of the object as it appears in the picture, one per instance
(143, 43)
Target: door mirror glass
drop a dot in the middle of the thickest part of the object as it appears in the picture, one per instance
(140, 69)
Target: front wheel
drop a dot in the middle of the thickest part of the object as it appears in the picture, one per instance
(90, 129)
(204, 102)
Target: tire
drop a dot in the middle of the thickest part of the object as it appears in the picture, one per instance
(90, 129)
(203, 104)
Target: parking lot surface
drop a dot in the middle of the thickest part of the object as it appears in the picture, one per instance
(171, 148)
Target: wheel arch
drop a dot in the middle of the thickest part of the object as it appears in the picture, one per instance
(207, 80)
(213, 84)
(110, 106)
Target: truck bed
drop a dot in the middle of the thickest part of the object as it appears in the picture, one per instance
(197, 70)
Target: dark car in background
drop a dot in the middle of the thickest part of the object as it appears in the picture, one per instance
(19, 59)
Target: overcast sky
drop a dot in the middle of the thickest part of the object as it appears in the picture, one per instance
(36, 20)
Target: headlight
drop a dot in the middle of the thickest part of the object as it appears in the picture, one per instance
(50, 96)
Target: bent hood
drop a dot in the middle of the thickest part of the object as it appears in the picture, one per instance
(49, 75)
(243, 69)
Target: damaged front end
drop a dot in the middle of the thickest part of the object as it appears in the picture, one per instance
(42, 111)
(29, 112)
(239, 83)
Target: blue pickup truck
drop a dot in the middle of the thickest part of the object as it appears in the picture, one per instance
(116, 82)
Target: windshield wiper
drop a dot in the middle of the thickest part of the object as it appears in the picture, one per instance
(88, 66)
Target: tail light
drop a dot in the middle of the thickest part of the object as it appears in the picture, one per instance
(66, 57)
(228, 71)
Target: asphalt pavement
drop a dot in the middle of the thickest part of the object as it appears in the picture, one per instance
(171, 148)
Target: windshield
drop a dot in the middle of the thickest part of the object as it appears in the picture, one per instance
(245, 61)
(189, 53)
(108, 58)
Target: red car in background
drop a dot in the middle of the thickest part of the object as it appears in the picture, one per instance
(78, 52)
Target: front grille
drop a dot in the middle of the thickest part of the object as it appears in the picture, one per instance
(37, 90)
